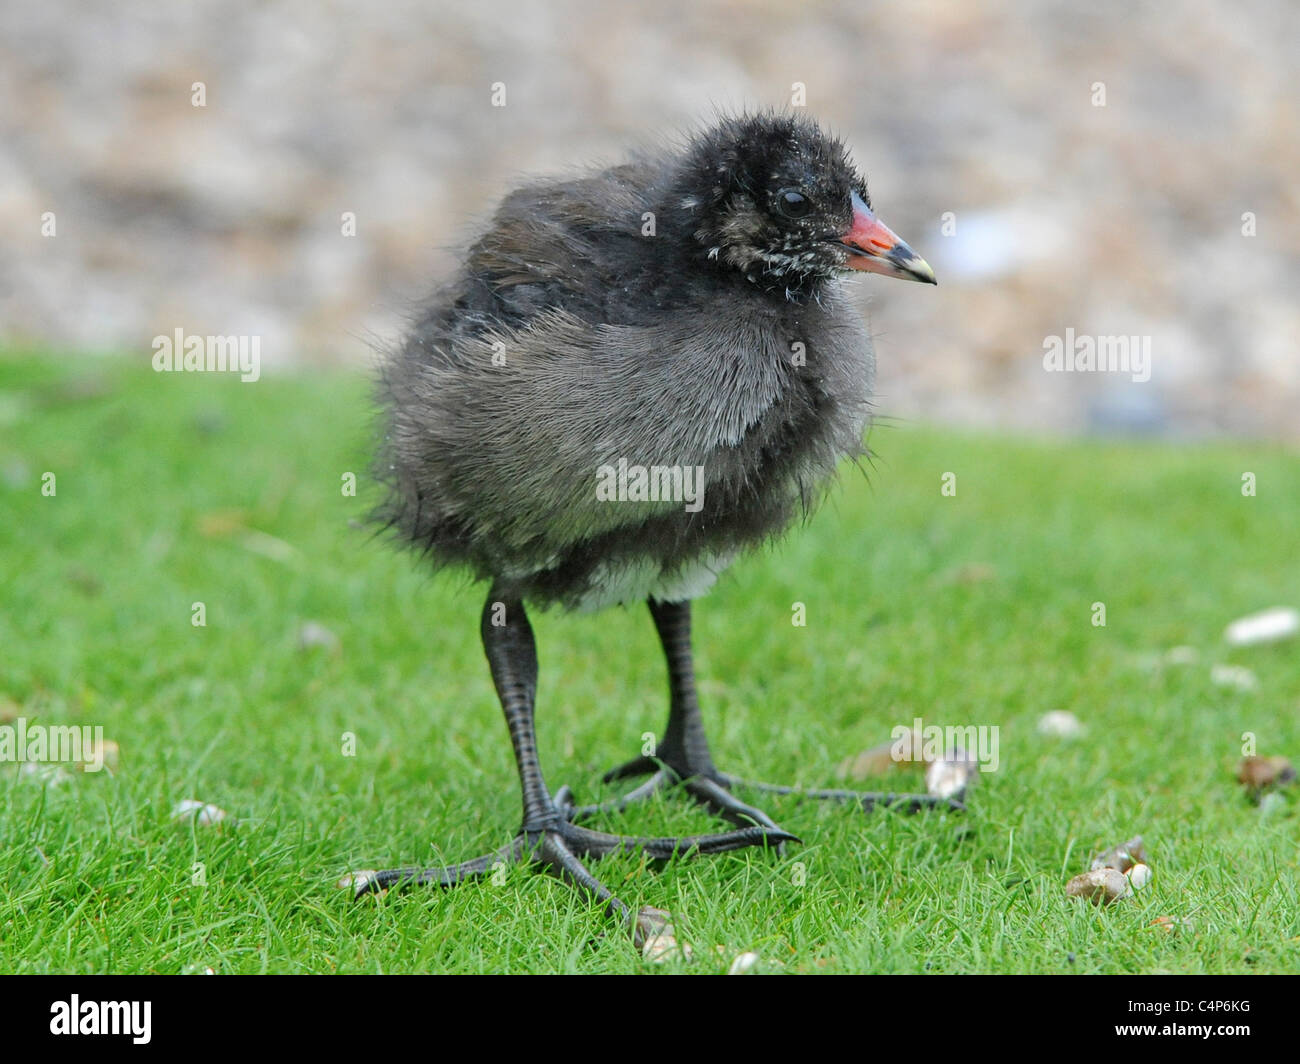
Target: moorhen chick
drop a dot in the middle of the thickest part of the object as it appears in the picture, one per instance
(636, 375)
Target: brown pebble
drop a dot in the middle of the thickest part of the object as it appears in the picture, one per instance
(1101, 886)
(659, 938)
(1258, 773)
(883, 758)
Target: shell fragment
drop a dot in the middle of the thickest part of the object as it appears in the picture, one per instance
(1101, 886)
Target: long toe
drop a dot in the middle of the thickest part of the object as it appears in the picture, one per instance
(660, 781)
(555, 853)
(638, 766)
(720, 801)
(707, 790)
(445, 876)
(906, 803)
(547, 849)
(598, 844)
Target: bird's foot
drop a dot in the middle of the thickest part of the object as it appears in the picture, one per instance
(558, 846)
(709, 790)
(713, 790)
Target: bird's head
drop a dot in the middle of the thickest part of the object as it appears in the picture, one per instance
(779, 199)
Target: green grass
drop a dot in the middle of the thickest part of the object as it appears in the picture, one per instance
(169, 485)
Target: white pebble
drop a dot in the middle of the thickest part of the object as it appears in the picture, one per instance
(1237, 676)
(1061, 723)
(101, 755)
(1281, 622)
(659, 937)
(950, 777)
(743, 963)
(312, 634)
(664, 947)
(204, 815)
(356, 881)
(1139, 876)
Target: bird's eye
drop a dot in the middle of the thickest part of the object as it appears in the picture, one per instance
(793, 203)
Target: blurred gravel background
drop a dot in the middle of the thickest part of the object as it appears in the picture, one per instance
(1116, 219)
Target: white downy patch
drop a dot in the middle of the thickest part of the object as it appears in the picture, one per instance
(645, 580)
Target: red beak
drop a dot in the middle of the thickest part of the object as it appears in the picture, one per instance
(874, 248)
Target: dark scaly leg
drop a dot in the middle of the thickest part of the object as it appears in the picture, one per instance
(683, 759)
(547, 836)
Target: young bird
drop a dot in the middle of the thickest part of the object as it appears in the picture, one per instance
(637, 375)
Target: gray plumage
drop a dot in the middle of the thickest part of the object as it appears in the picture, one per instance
(569, 341)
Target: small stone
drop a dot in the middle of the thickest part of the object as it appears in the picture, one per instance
(1121, 857)
(312, 635)
(1237, 676)
(883, 758)
(1101, 886)
(203, 814)
(744, 963)
(1139, 876)
(1060, 723)
(1267, 626)
(1182, 655)
(874, 762)
(357, 881)
(1170, 924)
(101, 755)
(950, 777)
(659, 937)
(1257, 774)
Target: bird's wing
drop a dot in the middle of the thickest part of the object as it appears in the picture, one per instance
(510, 433)
(563, 238)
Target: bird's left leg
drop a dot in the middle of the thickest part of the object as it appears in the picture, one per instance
(683, 758)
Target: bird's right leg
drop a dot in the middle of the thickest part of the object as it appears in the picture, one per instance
(547, 836)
